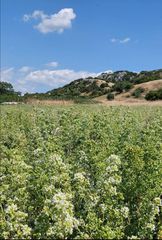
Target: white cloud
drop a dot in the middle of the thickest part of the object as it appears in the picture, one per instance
(125, 40)
(113, 40)
(6, 74)
(52, 64)
(11, 75)
(25, 69)
(35, 15)
(121, 41)
(56, 22)
(56, 78)
(107, 71)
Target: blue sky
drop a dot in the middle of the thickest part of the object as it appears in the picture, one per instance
(48, 43)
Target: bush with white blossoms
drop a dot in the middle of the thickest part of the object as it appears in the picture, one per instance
(61, 212)
(80, 172)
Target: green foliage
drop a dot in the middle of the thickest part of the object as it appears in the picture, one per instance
(154, 95)
(137, 93)
(85, 172)
(14, 97)
(110, 96)
(122, 86)
(104, 85)
(145, 76)
(5, 88)
(7, 93)
(135, 78)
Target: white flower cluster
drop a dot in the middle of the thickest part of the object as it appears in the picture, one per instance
(55, 158)
(37, 151)
(61, 200)
(16, 222)
(49, 189)
(150, 226)
(133, 237)
(80, 176)
(157, 201)
(64, 219)
(114, 180)
(94, 199)
(103, 207)
(125, 212)
(111, 168)
(113, 160)
(11, 208)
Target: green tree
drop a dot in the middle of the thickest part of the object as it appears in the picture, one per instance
(6, 87)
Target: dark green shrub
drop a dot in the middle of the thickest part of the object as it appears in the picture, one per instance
(127, 85)
(110, 96)
(154, 95)
(103, 85)
(118, 87)
(137, 92)
(122, 86)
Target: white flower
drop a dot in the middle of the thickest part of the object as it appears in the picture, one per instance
(103, 207)
(113, 168)
(79, 176)
(61, 200)
(157, 201)
(113, 190)
(37, 151)
(11, 208)
(113, 160)
(151, 226)
(125, 211)
(26, 230)
(133, 237)
(114, 180)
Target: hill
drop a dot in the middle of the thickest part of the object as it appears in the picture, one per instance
(119, 84)
(104, 83)
(136, 95)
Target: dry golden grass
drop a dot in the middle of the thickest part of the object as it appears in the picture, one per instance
(131, 102)
(127, 99)
(148, 86)
(50, 102)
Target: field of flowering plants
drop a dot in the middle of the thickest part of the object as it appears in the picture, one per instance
(81, 172)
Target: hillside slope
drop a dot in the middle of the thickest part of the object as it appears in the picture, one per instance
(128, 97)
(102, 84)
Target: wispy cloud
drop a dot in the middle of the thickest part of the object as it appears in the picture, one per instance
(52, 64)
(56, 22)
(121, 41)
(125, 40)
(6, 74)
(25, 69)
(113, 40)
